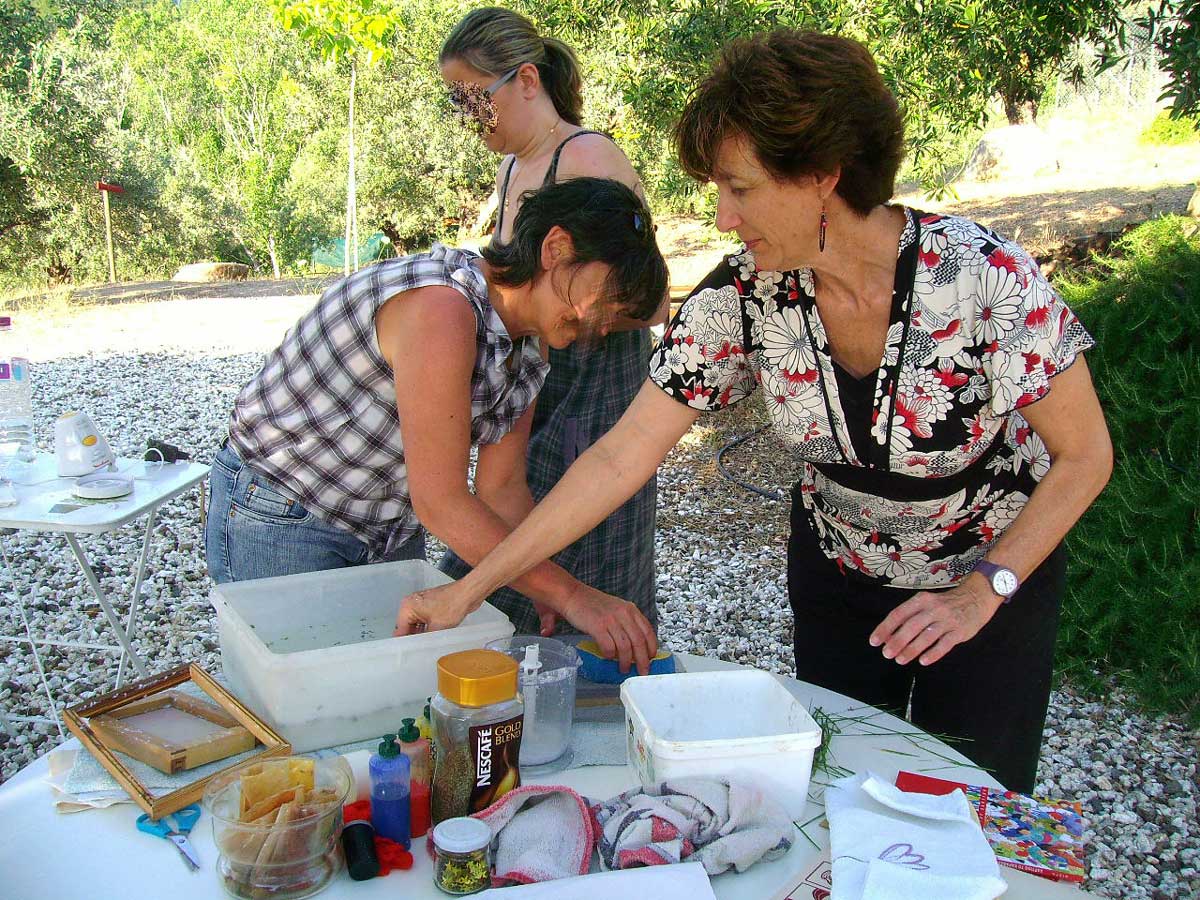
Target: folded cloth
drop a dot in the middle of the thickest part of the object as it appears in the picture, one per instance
(60, 763)
(539, 833)
(890, 845)
(719, 822)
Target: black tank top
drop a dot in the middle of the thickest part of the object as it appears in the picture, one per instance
(551, 176)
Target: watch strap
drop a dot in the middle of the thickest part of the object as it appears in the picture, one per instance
(989, 571)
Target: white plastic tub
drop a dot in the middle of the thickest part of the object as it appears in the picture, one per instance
(721, 723)
(314, 655)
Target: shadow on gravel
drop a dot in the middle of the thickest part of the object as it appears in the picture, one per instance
(1044, 222)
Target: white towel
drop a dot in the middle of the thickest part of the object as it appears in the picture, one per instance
(723, 823)
(890, 845)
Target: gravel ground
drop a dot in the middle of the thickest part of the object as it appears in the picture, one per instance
(720, 562)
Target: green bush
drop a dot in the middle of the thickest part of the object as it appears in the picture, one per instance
(1133, 601)
(1165, 130)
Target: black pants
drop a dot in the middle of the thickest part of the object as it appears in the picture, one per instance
(992, 691)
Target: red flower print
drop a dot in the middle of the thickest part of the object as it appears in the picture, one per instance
(944, 334)
(808, 377)
(1038, 318)
(1002, 259)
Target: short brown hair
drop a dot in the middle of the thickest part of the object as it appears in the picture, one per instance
(807, 103)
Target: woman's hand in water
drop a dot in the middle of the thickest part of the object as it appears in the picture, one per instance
(616, 625)
(433, 609)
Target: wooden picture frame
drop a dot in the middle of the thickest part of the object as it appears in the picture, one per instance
(127, 729)
(138, 697)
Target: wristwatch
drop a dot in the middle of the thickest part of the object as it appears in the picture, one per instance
(1004, 581)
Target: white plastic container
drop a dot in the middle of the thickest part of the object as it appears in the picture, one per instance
(721, 723)
(314, 655)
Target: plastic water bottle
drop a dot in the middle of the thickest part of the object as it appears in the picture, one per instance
(16, 399)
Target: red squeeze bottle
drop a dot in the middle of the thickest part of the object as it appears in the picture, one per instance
(416, 748)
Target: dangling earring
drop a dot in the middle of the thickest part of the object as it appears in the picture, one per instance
(821, 233)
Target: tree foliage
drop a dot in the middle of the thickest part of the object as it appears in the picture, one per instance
(1135, 555)
(226, 120)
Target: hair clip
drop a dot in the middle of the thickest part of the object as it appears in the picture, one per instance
(637, 223)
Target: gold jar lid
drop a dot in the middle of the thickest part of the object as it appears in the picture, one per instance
(477, 677)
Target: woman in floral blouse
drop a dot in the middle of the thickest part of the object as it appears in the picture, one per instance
(919, 365)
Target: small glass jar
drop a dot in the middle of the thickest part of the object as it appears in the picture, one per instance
(461, 859)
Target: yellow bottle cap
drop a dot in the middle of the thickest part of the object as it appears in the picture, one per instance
(477, 677)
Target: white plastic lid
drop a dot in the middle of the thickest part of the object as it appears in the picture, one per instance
(461, 835)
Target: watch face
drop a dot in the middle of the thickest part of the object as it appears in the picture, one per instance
(1004, 582)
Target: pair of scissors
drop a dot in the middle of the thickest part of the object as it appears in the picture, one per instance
(175, 828)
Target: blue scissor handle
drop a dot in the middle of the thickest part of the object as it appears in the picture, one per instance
(185, 820)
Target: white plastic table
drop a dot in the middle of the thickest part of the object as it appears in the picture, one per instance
(45, 502)
(100, 854)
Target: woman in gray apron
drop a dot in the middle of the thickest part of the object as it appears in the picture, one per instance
(521, 93)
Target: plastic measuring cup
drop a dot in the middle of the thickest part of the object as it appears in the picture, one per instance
(546, 676)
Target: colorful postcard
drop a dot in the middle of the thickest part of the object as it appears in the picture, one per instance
(1033, 834)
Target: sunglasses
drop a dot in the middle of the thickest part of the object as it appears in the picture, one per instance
(473, 104)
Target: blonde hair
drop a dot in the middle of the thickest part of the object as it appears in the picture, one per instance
(497, 40)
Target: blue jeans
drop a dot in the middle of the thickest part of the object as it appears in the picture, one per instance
(255, 531)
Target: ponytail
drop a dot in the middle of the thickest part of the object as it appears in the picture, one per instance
(562, 80)
(497, 40)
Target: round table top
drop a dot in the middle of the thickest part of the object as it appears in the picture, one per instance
(44, 854)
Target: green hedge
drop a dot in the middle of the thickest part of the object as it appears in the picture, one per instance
(1133, 601)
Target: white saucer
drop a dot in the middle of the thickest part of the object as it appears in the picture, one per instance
(103, 486)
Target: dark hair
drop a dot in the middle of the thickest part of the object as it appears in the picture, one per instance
(497, 40)
(607, 223)
(807, 103)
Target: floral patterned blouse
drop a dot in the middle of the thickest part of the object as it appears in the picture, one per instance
(913, 490)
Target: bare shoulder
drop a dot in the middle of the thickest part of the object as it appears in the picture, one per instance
(430, 317)
(597, 156)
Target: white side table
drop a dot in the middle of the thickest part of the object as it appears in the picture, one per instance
(45, 502)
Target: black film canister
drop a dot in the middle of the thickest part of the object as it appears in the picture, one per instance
(358, 841)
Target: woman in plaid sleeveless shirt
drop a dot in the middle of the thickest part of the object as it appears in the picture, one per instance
(355, 435)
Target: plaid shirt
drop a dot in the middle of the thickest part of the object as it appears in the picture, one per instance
(320, 419)
(586, 392)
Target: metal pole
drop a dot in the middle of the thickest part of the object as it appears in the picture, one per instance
(112, 263)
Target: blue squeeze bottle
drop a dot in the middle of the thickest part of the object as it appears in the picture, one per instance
(390, 814)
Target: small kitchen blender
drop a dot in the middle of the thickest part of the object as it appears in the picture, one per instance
(546, 680)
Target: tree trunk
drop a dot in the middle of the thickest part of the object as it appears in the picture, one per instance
(1020, 112)
(351, 199)
(274, 255)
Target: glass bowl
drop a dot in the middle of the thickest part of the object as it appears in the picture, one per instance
(281, 847)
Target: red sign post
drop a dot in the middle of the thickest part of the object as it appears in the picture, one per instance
(105, 188)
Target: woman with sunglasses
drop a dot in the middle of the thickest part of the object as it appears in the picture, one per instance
(521, 93)
(355, 435)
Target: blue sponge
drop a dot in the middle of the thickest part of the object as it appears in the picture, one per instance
(602, 670)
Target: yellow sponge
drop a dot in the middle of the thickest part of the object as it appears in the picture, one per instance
(602, 670)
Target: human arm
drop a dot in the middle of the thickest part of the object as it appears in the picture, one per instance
(599, 481)
(1070, 422)
(501, 481)
(428, 337)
